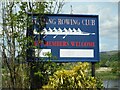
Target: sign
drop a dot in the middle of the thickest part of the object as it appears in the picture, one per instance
(66, 38)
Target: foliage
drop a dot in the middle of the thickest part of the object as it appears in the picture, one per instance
(13, 47)
(21, 77)
(16, 71)
(106, 75)
(41, 72)
(109, 59)
(115, 64)
(115, 67)
(78, 77)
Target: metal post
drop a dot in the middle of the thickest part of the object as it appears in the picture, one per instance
(93, 69)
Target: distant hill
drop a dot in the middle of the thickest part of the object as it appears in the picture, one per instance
(110, 52)
(110, 55)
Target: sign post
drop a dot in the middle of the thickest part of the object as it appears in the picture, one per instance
(93, 69)
(64, 38)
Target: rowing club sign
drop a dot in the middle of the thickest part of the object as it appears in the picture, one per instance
(65, 38)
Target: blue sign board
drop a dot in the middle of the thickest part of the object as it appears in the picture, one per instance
(66, 38)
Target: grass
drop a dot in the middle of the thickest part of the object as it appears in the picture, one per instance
(107, 75)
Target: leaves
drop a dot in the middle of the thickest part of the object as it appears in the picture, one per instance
(15, 24)
(75, 78)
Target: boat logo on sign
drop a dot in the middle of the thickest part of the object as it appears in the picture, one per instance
(63, 31)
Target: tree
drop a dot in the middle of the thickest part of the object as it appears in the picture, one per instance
(13, 47)
(16, 70)
(40, 71)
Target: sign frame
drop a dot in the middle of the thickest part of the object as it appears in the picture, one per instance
(31, 52)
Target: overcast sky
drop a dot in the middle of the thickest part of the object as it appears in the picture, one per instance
(108, 19)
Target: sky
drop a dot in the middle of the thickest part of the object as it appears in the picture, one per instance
(108, 19)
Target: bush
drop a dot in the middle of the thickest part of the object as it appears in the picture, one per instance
(78, 77)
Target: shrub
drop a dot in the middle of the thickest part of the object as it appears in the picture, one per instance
(77, 77)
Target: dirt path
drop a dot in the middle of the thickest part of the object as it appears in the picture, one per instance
(101, 69)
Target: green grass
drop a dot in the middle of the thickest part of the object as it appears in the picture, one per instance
(107, 75)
